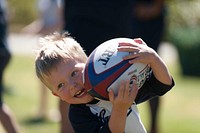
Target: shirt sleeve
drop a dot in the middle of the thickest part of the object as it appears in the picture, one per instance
(84, 121)
(152, 88)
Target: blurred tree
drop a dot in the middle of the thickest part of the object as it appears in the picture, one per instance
(184, 13)
(21, 12)
(184, 32)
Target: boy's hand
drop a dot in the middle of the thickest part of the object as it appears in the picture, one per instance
(125, 97)
(140, 53)
(121, 103)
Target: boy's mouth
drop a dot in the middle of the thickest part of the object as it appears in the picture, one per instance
(80, 93)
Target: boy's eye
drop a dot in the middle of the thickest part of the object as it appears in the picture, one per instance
(60, 85)
(74, 73)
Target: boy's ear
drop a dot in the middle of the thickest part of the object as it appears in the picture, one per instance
(54, 94)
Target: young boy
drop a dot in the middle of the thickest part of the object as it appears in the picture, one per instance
(60, 64)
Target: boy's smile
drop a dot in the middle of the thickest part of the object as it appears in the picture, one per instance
(66, 81)
(80, 93)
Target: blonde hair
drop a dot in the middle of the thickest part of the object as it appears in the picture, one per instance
(56, 48)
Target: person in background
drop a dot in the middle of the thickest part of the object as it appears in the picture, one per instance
(49, 20)
(6, 116)
(92, 22)
(148, 23)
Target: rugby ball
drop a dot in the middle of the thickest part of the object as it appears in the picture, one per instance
(105, 68)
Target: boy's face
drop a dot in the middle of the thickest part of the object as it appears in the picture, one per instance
(66, 81)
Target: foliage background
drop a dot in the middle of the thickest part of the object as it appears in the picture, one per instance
(21, 13)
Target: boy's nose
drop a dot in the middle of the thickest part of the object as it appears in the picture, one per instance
(72, 85)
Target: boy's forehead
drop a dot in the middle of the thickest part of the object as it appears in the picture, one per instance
(74, 64)
(49, 80)
(74, 60)
(47, 83)
(63, 66)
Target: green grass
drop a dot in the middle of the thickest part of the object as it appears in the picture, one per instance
(22, 96)
(179, 112)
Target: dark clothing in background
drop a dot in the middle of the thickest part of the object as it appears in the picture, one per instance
(151, 31)
(4, 53)
(92, 22)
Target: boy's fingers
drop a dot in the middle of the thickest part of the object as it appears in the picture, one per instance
(134, 91)
(111, 95)
(125, 44)
(121, 90)
(127, 89)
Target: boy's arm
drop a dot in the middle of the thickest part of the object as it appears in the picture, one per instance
(121, 104)
(160, 69)
(161, 77)
(143, 54)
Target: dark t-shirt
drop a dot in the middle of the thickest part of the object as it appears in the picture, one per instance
(84, 120)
